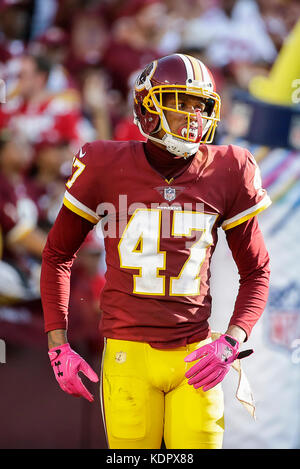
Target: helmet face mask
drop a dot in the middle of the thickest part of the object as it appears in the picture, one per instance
(159, 94)
(155, 102)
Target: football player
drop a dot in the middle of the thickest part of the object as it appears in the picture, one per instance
(162, 202)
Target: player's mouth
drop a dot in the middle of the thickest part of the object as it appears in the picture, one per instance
(192, 133)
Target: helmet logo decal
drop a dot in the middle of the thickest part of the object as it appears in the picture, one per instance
(143, 80)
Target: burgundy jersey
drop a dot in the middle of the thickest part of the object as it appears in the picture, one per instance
(159, 234)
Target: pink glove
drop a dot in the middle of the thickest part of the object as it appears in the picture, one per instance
(214, 362)
(66, 364)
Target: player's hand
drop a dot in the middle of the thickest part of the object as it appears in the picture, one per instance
(214, 362)
(66, 364)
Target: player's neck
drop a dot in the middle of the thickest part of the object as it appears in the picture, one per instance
(164, 162)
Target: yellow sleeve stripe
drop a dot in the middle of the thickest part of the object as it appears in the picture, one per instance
(247, 214)
(80, 209)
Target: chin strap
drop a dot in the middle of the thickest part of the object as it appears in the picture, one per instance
(178, 147)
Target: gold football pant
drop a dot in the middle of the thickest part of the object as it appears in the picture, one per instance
(145, 397)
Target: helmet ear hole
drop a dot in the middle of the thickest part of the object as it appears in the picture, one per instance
(143, 110)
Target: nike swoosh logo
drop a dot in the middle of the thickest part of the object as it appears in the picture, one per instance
(81, 155)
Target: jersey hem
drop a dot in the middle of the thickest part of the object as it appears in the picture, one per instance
(55, 325)
(176, 343)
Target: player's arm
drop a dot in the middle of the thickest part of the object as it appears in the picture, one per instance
(64, 240)
(57, 337)
(76, 218)
(250, 254)
(245, 199)
(237, 332)
(252, 260)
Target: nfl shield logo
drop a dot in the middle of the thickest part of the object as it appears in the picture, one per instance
(169, 193)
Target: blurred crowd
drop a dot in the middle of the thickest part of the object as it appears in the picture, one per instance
(67, 68)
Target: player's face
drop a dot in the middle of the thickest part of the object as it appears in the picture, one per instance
(178, 122)
(26, 77)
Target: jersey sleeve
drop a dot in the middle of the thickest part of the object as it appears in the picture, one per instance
(83, 189)
(252, 259)
(63, 242)
(250, 198)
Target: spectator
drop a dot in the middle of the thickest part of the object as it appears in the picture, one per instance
(182, 25)
(279, 17)
(68, 9)
(35, 113)
(135, 41)
(22, 239)
(53, 44)
(15, 19)
(231, 32)
(101, 104)
(48, 174)
(88, 40)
